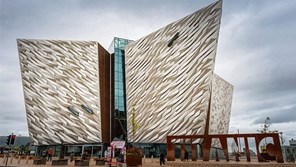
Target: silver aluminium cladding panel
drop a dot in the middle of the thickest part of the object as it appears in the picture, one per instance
(221, 101)
(168, 77)
(61, 89)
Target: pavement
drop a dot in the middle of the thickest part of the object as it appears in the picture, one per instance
(148, 162)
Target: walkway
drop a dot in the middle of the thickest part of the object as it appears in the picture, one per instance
(155, 163)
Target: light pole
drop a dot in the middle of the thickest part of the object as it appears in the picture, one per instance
(239, 146)
(282, 138)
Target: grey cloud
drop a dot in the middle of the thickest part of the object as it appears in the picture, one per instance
(255, 50)
(258, 60)
(9, 74)
(9, 117)
(279, 116)
(143, 7)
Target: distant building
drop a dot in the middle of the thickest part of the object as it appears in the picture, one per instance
(292, 142)
(289, 151)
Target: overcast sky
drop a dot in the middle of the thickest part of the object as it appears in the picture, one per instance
(256, 49)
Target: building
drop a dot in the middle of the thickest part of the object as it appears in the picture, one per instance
(292, 142)
(66, 90)
(289, 151)
(170, 81)
(79, 94)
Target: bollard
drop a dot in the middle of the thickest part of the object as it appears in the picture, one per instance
(19, 160)
(151, 158)
(144, 158)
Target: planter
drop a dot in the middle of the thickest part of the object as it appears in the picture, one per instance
(81, 163)
(39, 161)
(134, 157)
(100, 162)
(59, 162)
(32, 157)
(134, 160)
(23, 156)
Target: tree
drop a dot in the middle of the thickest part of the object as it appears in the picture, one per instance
(134, 155)
(265, 126)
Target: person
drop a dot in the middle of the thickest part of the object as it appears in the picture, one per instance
(71, 156)
(120, 158)
(161, 159)
(99, 154)
(105, 153)
(44, 154)
(186, 155)
(237, 156)
(50, 152)
(84, 155)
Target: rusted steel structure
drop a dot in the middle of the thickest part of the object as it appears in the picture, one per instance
(272, 149)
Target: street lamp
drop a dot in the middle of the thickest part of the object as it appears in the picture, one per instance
(282, 138)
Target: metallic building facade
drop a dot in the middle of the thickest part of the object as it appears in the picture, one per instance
(76, 92)
(169, 76)
(62, 90)
(220, 108)
(221, 100)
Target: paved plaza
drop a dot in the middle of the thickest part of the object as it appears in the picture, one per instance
(155, 162)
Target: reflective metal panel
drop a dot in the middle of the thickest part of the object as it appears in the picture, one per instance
(169, 75)
(59, 77)
(221, 100)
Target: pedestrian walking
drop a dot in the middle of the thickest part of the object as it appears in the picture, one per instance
(49, 154)
(161, 159)
(44, 154)
(186, 155)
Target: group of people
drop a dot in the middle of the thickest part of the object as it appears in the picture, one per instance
(47, 153)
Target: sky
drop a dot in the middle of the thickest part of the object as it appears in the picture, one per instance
(256, 50)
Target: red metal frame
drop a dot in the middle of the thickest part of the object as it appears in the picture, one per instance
(272, 149)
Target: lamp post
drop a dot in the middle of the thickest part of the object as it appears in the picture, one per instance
(240, 146)
(282, 138)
